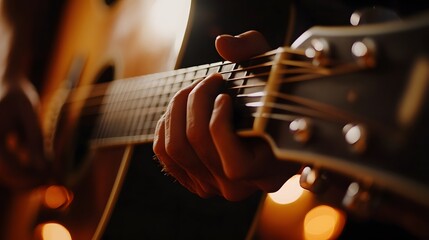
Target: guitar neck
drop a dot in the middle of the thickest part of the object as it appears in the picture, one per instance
(131, 107)
(126, 111)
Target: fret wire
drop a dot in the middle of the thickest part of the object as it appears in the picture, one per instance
(154, 104)
(176, 85)
(147, 103)
(138, 103)
(111, 102)
(214, 68)
(127, 107)
(248, 86)
(189, 78)
(254, 67)
(131, 105)
(97, 90)
(101, 130)
(155, 107)
(226, 69)
(201, 72)
(265, 74)
(120, 108)
(237, 73)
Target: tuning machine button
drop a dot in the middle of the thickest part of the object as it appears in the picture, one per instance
(358, 199)
(318, 52)
(364, 51)
(356, 137)
(313, 180)
(301, 129)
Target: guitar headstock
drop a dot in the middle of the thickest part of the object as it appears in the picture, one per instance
(350, 104)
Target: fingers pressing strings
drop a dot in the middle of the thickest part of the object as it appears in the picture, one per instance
(173, 148)
(168, 166)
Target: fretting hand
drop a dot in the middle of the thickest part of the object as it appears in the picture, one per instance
(196, 143)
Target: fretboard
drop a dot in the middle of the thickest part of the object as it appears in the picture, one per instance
(127, 111)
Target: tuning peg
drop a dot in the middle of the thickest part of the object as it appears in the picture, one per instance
(364, 52)
(313, 180)
(356, 137)
(301, 129)
(359, 199)
(318, 52)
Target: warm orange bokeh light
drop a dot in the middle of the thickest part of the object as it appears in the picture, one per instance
(56, 196)
(282, 214)
(52, 231)
(289, 192)
(323, 222)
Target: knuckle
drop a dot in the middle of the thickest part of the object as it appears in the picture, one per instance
(173, 150)
(215, 126)
(157, 147)
(196, 137)
(180, 97)
(237, 173)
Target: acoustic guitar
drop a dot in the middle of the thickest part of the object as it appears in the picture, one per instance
(348, 103)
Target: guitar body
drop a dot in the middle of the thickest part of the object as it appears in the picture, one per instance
(97, 41)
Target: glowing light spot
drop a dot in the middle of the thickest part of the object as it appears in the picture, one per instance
(355, 19)
(56, 196)
(289, 192)
(353, 134)
(255, 104)
(359, 49)
(310, 52)
(168, 16)
(54, 231)
(323, 222)
(311, 175)
(317, 45)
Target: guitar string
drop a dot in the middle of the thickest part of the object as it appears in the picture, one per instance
(304, 70)
(98, 90)
(306, 106)
(306, 110)
(95, 102)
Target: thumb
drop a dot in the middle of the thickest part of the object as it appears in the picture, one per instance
(241, 47)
